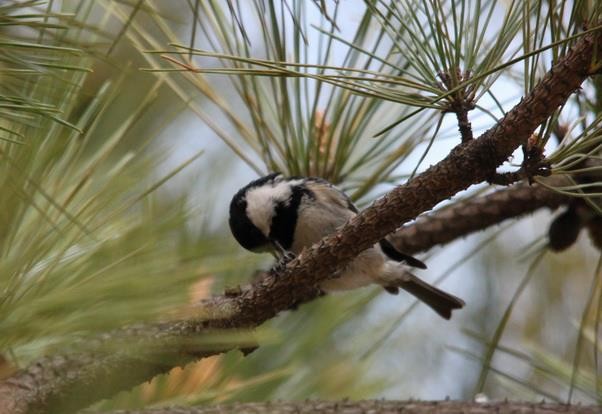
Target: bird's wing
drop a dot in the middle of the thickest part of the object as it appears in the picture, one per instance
(336, 197)
(394, 254)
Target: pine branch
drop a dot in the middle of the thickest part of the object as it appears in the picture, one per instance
(476, 214)
(111, 363)
(50, 383)
(377, 407)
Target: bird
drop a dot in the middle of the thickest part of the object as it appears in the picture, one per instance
(284, 215)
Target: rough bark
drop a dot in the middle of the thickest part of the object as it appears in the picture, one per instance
(378, 407)
(93, 369)
(478, 213)
(75, 381)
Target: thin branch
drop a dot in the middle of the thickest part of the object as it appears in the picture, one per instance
(534, 163)
(478, 213)
(464, 125)
(377, 407)
(462, 101)
(43, 386)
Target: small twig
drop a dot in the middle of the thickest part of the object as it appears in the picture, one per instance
(526, 172)
(460, 102)
(534, 164)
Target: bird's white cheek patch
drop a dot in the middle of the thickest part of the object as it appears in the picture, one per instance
(261, 202)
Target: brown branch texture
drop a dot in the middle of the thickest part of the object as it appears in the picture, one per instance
(478, 213)
(377, 407)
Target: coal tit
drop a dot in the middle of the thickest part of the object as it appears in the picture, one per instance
(285, 215)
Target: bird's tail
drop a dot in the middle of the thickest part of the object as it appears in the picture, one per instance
(441, 302)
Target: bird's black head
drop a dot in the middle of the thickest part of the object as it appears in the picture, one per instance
(243, 229)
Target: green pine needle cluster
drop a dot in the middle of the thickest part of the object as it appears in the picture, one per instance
(85, 245)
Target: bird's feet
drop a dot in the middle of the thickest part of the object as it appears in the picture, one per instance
(284, 259)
